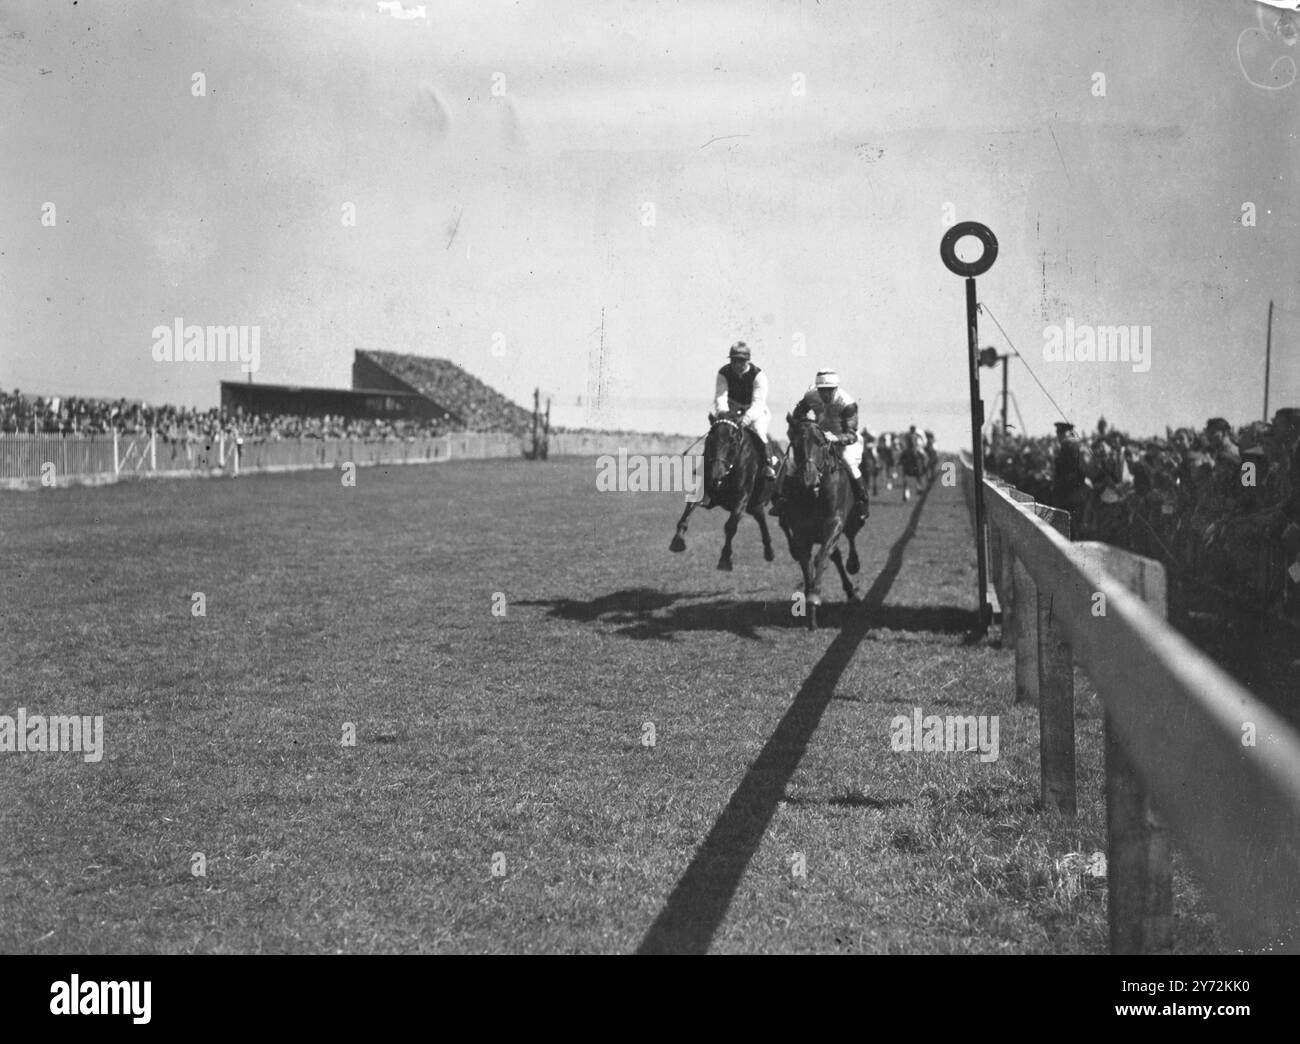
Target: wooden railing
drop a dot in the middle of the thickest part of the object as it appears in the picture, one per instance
(1187, 749)
(27, 460)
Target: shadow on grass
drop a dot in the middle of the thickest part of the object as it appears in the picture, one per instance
(698, 903)
(657, 615)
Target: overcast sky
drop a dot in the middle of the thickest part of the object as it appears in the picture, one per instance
(500, 156)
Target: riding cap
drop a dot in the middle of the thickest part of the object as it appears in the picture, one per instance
(827, 379)
(740, 350)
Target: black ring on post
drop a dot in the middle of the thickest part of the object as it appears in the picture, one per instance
(947, 249)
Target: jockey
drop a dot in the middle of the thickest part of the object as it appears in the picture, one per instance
(837, 414)
(742, 388)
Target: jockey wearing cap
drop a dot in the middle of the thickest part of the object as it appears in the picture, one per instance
(741, 387)
(837, 415)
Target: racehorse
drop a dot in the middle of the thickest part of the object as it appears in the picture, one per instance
(912, 464)
(888, 460)
(734, 480)
(817, 509)
(871, 466)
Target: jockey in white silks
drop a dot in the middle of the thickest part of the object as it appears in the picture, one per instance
(837, 415)
(741, 387)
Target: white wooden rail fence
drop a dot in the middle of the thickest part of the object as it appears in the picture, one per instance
(1185, 745)
(24, 457)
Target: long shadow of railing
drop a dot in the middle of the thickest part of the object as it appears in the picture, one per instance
(698, 903)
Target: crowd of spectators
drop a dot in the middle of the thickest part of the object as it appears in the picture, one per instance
(74, 416)
(1219, 506)
(481, 407)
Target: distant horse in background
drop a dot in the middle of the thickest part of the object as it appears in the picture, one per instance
(817, 509)
(886, 451)
(871, 466)
(733, 480)
(912, 465)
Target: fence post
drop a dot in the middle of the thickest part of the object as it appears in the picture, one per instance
(1024, 595)
(1055, 692)
(1138, 870)
(117, 460)
(153, 450)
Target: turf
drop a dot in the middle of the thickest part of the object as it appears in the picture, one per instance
(518, 736)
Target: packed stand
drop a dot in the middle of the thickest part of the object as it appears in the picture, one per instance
(1219, 506)
(74, 416)
(481, 408)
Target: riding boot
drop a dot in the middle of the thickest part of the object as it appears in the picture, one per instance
(862, 506)
(775, 509)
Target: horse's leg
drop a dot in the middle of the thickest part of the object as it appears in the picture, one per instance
(810, 597)
(678, 544)
(854, 563)
(733, 521)
(760, 516)
(849, 593)
(834, 527)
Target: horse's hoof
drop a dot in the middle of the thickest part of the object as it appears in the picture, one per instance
(854, 564)
(814, 599)
(678, 544)
(725, 565)
(853, 598)
(768, 554)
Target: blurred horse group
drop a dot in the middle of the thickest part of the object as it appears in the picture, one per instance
(906, 458)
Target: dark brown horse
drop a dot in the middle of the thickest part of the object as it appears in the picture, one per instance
(912, 463)
(733, 480)
(816, 510)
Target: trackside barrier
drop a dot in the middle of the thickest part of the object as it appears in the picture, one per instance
(108, 457)
(1184, 743)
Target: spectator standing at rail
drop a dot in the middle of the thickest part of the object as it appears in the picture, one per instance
(1071, 470)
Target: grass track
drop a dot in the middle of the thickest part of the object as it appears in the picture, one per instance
(520, 734)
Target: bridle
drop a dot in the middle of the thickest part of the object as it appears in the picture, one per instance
(733, 458)
(822, 458)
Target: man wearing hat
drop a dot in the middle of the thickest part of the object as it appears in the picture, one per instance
(837, 415)
(1071, 471)
(741, 387)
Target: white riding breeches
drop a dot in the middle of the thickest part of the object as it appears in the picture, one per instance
(853, 457)
(757, 417)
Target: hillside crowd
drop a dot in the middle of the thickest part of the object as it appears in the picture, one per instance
(1219, 506)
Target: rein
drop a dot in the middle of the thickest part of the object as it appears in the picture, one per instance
(731, 464)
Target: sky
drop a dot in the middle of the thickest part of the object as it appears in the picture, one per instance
(597, 199)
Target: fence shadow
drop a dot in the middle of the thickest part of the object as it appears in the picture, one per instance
(699, 901)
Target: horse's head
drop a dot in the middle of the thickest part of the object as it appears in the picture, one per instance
(809, 449)
(722, 448)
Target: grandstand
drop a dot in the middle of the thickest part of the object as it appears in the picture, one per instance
(442, 382)
(387, 386)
